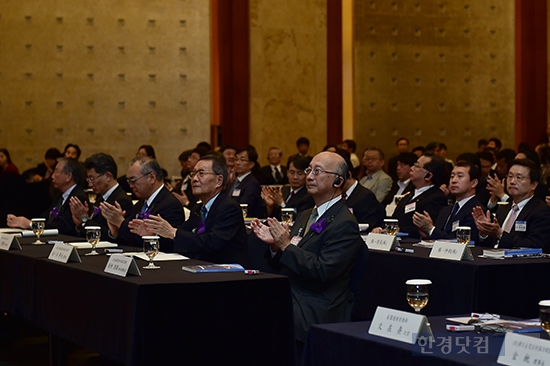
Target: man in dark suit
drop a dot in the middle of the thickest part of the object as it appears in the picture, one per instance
(292, 196)
(183, 191)
(66, 178)
(145, 178)
(319, 254)
(464, 180)
(402, 185)
(101, 172)
(246, 188)
(273, 173)
(302, 144)
(402, 145)
(524, 222)
(215, 231)
(427, 174)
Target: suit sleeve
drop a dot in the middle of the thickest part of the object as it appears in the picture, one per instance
(65, 224)
(251, 196)
(537, 233)
(384, 186)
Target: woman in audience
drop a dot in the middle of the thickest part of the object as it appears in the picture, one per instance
(6, 165)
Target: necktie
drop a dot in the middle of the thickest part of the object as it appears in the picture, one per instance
(235, 186)
(204, 212)
(344, 196)
(451, 215)
(278, 176)
(312, 218)
(512, 218)
(290, 196)
(144, 208)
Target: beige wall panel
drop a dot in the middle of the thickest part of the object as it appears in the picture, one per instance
(434, 71)
(106, 75)
(287, 74)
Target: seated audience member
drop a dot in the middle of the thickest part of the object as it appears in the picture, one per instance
(183, 190)
(215, 231)
(350, 146)
(146, 151)
(419, 151)
(101, 172)
(541, 192)
(72, 151)
(482, 145)
(6, 165)
(293, 195)
(494, 144)
(522, 223)
(45, 169)
(246, 188)
(145, 179)
(361, 202)
(402, 185)
(486, 159)
(229, 152)
(320, 252)
(331, 148)
(462, 185)
(376, 180)
(183, 158)
(66, 178)
(302, 144)
(402, 145)
(204, 145)
(427, 175)
(273, 173)
(496, 184)
(482, 194)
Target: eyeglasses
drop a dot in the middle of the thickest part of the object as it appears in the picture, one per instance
(518, 178)
(200, 173)
(299, 173)
(318, 171)
(133, 180)
(91, 179)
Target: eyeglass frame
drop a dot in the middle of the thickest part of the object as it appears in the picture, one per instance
(200, 173)
(134, 180)
(318, 171)
(91, 179)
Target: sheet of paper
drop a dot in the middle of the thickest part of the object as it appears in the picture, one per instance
(161, 257)
(10, 230)
(101, 244)
(26, 233)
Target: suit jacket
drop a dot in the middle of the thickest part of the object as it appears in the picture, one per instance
(463, 216)
(380, 185)
(299, 202)
(265, 176)
(164, 204)
(363, 204)
(64, 221)
(536, 214)
(319, 267)
(224, 238)
(393, 192)
(118, 195)
(249, 194)
(431, 201)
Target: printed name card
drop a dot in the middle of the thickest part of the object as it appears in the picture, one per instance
(451, 251)
(381, 242)
(399, 325)
(9, 241)
(121, 265)
(64, 253)
(518, 349)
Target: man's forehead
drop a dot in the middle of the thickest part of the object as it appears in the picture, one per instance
(243, 153)
(203, 164)
(460, 170)
(519, 169)
(91, 171)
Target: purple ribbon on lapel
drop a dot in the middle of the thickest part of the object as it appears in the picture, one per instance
(201, 227)
(55, 213)
(144, 215)
(96, 211)
(319, 226)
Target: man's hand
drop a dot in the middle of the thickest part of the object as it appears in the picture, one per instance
(486, 223)
(138, 227)
(280, 233)
(495, 186)
(18, 221)
(156, 224)
(182, 198)
(445, 189)
(79, 210)
(423, 222)
(114, 216)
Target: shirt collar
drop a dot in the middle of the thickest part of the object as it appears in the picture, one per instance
(325, 206)
(240, 178)
(109, 192)
(350, 190)
(67, 193)
(153, 196)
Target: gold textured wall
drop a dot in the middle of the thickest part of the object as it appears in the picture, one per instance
(106, 75)
(434, 71)
(287, 74)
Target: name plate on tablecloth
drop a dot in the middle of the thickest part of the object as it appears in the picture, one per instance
(399, 325)
(64, 253)
(518, 349)
(9, 241)
(382, 242)
(451, 251)
(121, 265)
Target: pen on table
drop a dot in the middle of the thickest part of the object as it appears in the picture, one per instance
(404, 250)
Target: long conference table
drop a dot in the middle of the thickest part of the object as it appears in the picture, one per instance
(165, 316)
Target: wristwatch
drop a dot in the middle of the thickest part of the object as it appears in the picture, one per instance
(283, 204)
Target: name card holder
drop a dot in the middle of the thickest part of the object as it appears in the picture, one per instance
(451, 251)
(382, 242)
(9, 241)
(517, 348)
(399, 325)
(64, 253)
(121, 265)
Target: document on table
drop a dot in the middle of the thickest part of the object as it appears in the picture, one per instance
(26, 233)
(160, 257)
(10, 230)
(101, 244)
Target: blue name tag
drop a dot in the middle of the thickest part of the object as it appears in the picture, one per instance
(521, 226)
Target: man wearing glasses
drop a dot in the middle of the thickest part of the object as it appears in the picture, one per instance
(215, 231)
(522, 223)
(246, 188)
(146, 181)
(101, 172)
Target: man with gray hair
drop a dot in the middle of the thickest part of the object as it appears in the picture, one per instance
(146, 181)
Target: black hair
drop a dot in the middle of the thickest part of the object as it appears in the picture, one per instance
(102, 163)
(76, 147)
(149, 150)
(534, 170)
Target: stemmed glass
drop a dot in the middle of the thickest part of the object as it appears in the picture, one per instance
(391, 226)
(417, 294)
(151, 249)
(463, 234)
(92, 196)
(544, 315)
(287, 215)
(93, 234)
(244, 208)
(37, 226)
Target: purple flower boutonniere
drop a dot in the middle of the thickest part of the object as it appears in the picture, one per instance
(321, 225)
(55, 213)
(144, 215)
(201, 227)
(96, 212)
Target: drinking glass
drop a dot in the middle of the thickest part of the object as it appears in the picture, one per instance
(93, 234)
(244, 208)
(151, 249)
(37, 226)
(391, 226)
(92, 196)
(544, 315)
(417, 293)
(287, 215)
(463, 234)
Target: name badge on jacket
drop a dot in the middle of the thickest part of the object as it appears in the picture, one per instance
(521, 226)
(456, 224)
(236, 193)
(410, 207)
